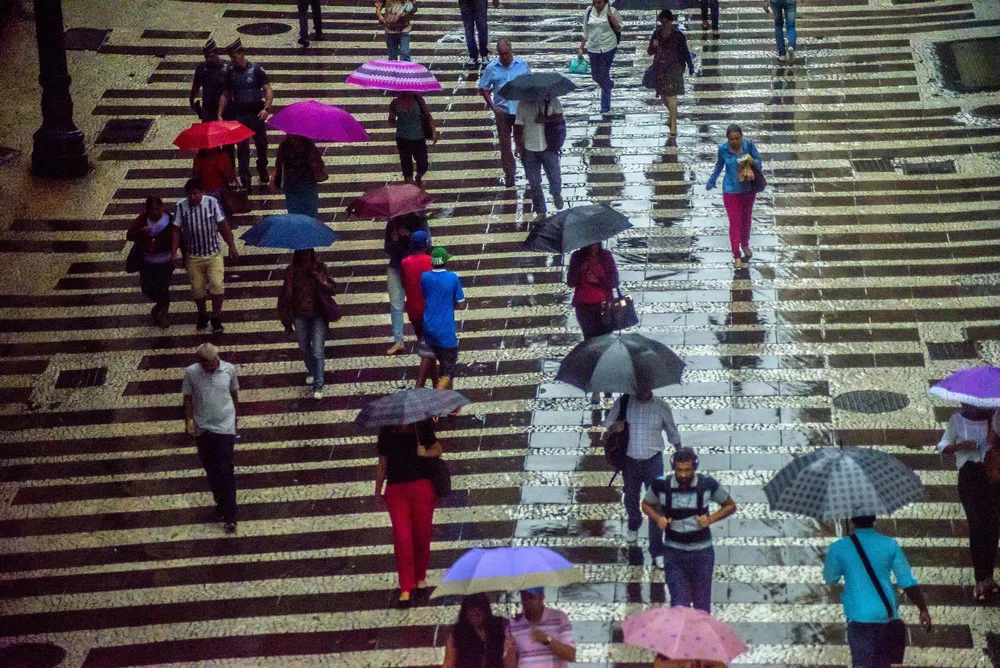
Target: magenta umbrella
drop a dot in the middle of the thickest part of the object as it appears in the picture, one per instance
(320, 122)
(400, 76)
(683, 633)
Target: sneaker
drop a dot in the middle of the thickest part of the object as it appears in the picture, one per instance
(309, 380)
(791, 55)
(471, 62)
(658, 561)
(229, 527)
(781, 58)
(303, 41)
(631, 536)
(557, 201)
(217, 326)
(202, 322)
(317, 395)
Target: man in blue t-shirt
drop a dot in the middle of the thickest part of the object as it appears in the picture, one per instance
(442, 294)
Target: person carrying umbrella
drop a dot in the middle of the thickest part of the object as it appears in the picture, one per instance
(411, 117)
(298, 169)
(865, 560)
(214, 168)
(539, 636)
(398, 245)
(533, 146)
(477, 638)
(678, 505)
(300, 307)
(495, 75)
(669, 49)
(593, 275)
(247, 97)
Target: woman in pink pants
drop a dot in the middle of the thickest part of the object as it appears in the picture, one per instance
(738, 196)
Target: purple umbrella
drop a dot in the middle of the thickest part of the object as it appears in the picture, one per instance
(979, 386)
(320, 122)
(507, 569)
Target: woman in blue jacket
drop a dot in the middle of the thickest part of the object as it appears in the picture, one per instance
(738, 196)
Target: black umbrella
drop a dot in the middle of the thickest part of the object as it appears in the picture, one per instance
(576, 227)
(627, 363)
(653, 5)
(537, 86)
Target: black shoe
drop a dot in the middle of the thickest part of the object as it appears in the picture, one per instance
(217, 326)
(422, 594)
(303, 41)
(319, 35)
(202, 321)
(405, 605)
(229, 527)
(218, 513)
(265, 178)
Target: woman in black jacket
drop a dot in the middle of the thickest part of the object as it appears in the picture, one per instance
(156, 238)
(669, 49)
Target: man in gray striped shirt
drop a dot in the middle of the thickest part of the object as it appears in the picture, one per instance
(201, 221)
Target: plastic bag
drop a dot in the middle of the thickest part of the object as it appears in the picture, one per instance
(579, 65)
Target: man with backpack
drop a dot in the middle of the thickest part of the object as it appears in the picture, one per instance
(539, 133)
(678, 505)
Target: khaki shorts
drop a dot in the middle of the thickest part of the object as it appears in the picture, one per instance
(205, 272)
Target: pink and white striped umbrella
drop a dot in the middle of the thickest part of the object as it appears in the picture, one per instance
(400, 76)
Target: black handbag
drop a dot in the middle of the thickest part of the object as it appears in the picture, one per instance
(619, 313)
(133, 263)
(893, 640)
(440, 477)
(649, 78)
(616, 443)
(555, 132)
(759, 182)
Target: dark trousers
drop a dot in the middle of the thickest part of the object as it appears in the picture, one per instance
(304, 17)
(590, 320)
(474, 20)
(639, 472)
(412, 151)
(600, 72)
(259, 128)
(714, 6)
(875, 645)
(154, 281)
(216, 454)
(688, 574)
(505, 134)
(981, 501)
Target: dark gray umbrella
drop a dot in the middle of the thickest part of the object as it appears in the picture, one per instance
(653, 5)
(408, 407)
(537, 86)
(627, 363)
(576, 227)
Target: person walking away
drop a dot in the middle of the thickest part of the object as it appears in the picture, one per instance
(411, 270)
(678, 505)
(201, 221)
(397, 245)
(864, 560)
(647, 417)
(477, 639)
(403, 482)
(247, 98)
(155, 234)
(669, 49)
(300, 308)
(442, 295)
(507, 66)
(303, 12)
(539, 637)
(535, 152)
(214, 168)
(211, 395)
(713, 6)
(967, 438)
(208, 80)
(602, 31)
(298, 169)
(474, 20)
(784, 22)
(396, 16)
(410, 115)
(593, 275)
(737, 196)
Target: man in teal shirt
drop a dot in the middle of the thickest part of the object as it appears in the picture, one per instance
(875, 634)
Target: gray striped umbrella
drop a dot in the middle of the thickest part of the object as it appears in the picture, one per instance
(408, 407)
(840, 483)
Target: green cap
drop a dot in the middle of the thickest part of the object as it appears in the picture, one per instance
(439, 256)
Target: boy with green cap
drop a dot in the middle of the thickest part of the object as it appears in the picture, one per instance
(442, 291)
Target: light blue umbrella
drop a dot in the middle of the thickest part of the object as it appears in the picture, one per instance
(294, 231)
(507, 569)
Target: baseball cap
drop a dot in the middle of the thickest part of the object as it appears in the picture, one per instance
(439, 256)
(419, 239)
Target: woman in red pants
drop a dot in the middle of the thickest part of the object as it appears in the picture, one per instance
(738, 196)
(405, 467)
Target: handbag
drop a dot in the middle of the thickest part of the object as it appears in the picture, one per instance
(894, 638)
(579, 65)
(425, 120)
(239, 200)
(991, 461)
(616, 443)
(619, 313)
(440, 477)
(649, 78)
(319, 169)
(759, 182)
(133, 263)
(555, 132)
(329, 309)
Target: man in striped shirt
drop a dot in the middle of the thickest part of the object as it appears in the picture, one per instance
(539, 637)
(201, 221)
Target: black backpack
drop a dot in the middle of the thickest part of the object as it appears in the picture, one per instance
(616, 444)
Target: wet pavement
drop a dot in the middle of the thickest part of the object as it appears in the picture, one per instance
(875, 268)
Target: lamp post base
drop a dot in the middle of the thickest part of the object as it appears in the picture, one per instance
(59, 154)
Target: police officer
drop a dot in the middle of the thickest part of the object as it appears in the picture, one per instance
(246, 97)
(208, 78)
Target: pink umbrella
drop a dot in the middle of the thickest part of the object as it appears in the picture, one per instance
(318, 121)
(395, 75)
(683, 633)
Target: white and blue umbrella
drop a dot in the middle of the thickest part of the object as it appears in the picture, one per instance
(507, 569)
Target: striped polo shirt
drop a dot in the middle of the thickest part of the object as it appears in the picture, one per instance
(200, 226)
(532, 654)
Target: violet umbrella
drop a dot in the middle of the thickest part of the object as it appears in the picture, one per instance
(507, 569)
(683, 633)
(400, 76)
(318, 121)
(978, 386)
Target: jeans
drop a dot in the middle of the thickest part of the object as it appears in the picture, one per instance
(688, 574)
(412, 151)
(876, 645)
(714, 6)
(474, 20)
(259, 128)
(600, 72)
(980, 500)
(784, 22)
(534, 162)
(304, 17)
(505, 133)
(639, 472)
(216, 454)
(396, 299)
(739, 208)
(411, 511)
(398, 44)
(312, 343)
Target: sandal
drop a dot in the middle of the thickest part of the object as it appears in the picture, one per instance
(979, 592)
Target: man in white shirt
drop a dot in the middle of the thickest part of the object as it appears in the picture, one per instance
(536, 152)
(648, 417)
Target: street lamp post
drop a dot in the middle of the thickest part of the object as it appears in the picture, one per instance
(59, 150)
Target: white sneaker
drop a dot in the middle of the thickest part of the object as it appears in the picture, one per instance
(781, 59)
(791, 55)
(318, 394)
(659, 562)
(631, 536)
(309, 380)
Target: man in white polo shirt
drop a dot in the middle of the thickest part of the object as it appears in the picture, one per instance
(535, 151)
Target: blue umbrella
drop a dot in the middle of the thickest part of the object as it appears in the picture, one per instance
(294, 231)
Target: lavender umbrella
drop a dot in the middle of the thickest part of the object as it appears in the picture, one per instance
(318, 121)
(979, 386)
(507, 569)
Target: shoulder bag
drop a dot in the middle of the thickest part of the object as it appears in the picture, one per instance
(894, 638)
(616, 443)
(425, 119)
(440, 477)
(555, 132)
(619, 313)
(319, 169)
(133, 263)
(991, 461)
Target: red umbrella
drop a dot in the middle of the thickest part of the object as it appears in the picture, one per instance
(390, 201)
(212, 135)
